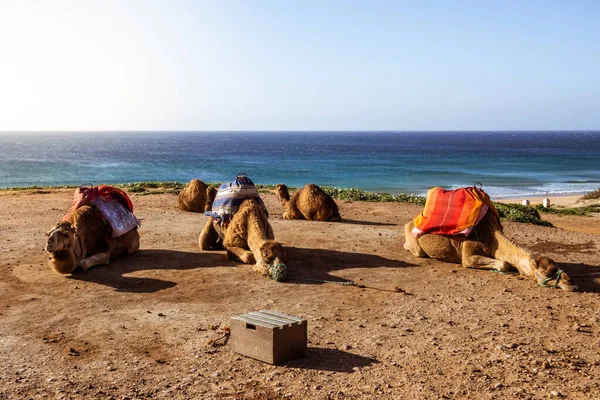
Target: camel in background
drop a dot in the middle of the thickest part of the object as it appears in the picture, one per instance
(310, 202)
(196, 197)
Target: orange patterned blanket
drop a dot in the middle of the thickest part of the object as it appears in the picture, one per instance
(452, 212)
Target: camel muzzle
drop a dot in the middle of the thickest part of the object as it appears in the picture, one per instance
(277, 270)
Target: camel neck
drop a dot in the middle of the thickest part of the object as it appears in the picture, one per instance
(513, 254)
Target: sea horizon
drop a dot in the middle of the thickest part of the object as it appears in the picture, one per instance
(509, 164)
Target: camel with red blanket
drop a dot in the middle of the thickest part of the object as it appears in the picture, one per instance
(85, 238)
(485, 246)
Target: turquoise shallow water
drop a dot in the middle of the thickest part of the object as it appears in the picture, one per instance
(506, 163)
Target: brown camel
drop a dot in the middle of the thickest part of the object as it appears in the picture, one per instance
(248, 238)
(310, 202)
(196, 197)
(85, 240)
(487, 248)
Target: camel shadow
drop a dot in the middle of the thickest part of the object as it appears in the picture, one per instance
(333, 360)
(371, 223)
(113, 274)
(315, 265)
(585, 277)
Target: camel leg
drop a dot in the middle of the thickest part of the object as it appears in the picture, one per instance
(131, 239)
(411, 243)
(472, 260)
(239, 254)
(208, 237)
(234, 244)
(96, 259)
(134, 245)
(293, 213)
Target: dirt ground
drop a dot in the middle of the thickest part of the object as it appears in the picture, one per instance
(141, 327)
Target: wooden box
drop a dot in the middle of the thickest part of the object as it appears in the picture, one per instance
(269, 336)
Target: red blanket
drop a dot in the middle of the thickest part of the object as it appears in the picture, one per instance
(113, 203)
(86, 195)
(452, 212)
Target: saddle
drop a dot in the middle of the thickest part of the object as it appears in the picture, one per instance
(231, 195)
(113, 203)
(452, 212)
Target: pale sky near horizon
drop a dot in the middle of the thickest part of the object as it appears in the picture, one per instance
(306, 65)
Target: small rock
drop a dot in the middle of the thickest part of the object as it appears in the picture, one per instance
(347, 347)
(556, 393)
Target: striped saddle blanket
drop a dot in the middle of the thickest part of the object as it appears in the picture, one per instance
(231, 195)
(452, 212)
(113, 203)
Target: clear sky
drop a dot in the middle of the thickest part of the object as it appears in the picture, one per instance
(299, 65)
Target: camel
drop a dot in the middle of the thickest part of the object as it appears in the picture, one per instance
(488, 248)
(310, 202)
(85, 240)
(196, 197)
(247, 237)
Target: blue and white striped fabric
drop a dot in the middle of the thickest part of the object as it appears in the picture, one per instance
(231, 195)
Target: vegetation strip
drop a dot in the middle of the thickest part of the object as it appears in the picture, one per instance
(508, 211)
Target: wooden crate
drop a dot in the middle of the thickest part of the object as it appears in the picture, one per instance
(269, 336)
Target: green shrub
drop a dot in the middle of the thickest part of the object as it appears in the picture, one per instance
(590, 196)
(520, 213)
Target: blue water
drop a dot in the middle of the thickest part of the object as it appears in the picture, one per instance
(506, 163)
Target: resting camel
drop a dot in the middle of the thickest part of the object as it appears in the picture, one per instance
(248, 238)
(310, 202)
(487, 247)
(85, 240)
(196, 197)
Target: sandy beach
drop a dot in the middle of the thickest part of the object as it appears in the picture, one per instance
(142, 327)
(565, 201)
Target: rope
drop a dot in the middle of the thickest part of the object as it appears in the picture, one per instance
(343, 283)
(277, 272)
(544, 282)
(497, 271)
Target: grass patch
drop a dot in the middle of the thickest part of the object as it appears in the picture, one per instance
(590, 196)
(520, 213)
(363, 195)
(582, 211)
(40, 187)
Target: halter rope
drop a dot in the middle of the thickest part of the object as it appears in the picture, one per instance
(544, 282)
(277, 271)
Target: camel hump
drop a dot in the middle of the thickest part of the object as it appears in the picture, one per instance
(193, 197)
(251, 205)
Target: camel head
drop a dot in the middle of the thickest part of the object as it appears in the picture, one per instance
(548, 274)
(211, 193)
(273, 260)
(282, 193)
(60, 237)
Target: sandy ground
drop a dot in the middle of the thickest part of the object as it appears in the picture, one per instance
(140, 327)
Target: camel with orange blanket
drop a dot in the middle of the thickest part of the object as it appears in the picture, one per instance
(484, 247)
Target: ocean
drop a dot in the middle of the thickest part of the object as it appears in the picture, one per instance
(507, 164)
